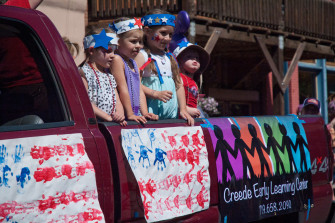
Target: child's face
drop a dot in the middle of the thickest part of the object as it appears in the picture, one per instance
(158, 38)
(191, 61)
(131, 43)
(103, 57)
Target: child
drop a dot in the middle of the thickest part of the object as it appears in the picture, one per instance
(72, 47)
(100, 84)
(193, 60)
(160, 73)
(311, 106)
(125, 70)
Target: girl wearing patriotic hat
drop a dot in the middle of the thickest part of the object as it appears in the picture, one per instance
(160, 73)
(100, 84)
(125, 70)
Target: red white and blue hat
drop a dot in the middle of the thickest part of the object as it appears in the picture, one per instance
(102, 39)
(126, 25)
(184, 46)
(159, 20)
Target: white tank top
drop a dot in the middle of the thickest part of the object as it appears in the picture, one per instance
(163, 63)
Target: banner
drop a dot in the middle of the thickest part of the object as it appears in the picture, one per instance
(171, 168)
(47, 179)
(263, 166)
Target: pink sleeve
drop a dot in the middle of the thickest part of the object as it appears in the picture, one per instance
(19, 3)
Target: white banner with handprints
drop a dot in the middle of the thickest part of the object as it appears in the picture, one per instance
(47, 179)
(171, 168)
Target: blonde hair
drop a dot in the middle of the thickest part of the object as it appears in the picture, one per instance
(174, 64)
(72, 47)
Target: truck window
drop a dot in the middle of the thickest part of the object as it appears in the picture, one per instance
(28, 91)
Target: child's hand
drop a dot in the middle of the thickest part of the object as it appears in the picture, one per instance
(163, 96)
(151, 116)
(123, 123)
(184, 114)
(194, 112)
(118, 116)
(137, 119)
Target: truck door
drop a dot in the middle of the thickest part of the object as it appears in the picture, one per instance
(50, 167)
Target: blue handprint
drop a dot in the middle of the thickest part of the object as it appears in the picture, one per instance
(5, 174)
(18, 154)
(3, 154)
(131, 158)
(24, 177)
(135, 133)
(152, 137)
(159, 153)
(144, 154)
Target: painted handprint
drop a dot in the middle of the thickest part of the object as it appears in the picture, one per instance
(24, 177)
(5, 173)
(202, 197)
(18, 154)
(201, 174)
(3, 154)
(135, 134)
(152, 137)
(149, 187)
(131, 158)
(144, 154)
(159, 154)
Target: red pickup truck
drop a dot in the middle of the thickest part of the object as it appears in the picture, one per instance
(58, 164)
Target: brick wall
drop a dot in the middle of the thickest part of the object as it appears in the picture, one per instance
(294, 92)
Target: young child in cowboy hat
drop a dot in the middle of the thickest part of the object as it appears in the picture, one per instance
(193, 60)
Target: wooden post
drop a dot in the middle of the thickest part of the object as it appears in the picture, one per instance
(212, 40)
(209, 48)
(277, 71)
(293, 64)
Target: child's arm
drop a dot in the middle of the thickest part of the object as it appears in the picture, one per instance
(148, 92)
(117, 69)
(182, 104)
(118, 115)
(97, 111)
(194, 112)
(144, 106)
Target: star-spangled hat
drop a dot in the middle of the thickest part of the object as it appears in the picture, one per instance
(127, 25)
(159, 20)
(183, 46)
(102, 39)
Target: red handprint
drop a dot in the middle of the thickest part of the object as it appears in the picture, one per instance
(201, 197)
(201, 174)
